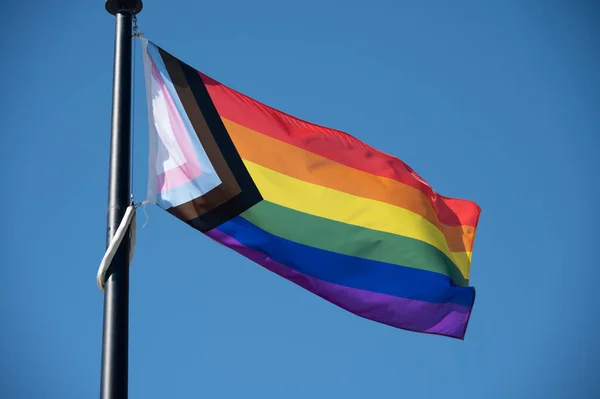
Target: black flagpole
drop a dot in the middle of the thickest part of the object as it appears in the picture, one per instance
(115, 333)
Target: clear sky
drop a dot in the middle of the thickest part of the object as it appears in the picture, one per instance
(493, 101)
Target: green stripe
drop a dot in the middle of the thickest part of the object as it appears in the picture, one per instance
(347, 239)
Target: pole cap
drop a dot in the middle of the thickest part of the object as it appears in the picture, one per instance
(114, 6)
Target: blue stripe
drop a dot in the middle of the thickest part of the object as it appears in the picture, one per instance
(188, 191)
(350, 271)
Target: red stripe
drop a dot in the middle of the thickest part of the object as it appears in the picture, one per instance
(335, 145)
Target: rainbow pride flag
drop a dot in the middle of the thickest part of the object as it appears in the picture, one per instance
(318, 207)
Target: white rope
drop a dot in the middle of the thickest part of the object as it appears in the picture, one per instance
(143, 205)
(127, 221)
(133, 228)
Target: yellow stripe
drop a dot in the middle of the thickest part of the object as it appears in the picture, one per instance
(304, 165)
(346, 208)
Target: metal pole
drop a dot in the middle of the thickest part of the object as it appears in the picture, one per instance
(115, 334)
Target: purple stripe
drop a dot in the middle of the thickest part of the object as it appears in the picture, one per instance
(434, 318)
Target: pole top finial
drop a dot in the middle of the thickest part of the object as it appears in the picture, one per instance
(114, 6)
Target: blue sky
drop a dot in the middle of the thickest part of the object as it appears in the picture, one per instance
(491, 101)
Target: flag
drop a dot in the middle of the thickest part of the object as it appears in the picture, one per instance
(349, 223)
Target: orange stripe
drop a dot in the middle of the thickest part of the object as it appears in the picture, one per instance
(336, 145)
(304, 165)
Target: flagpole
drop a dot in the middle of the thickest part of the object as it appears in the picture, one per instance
(115, 333)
